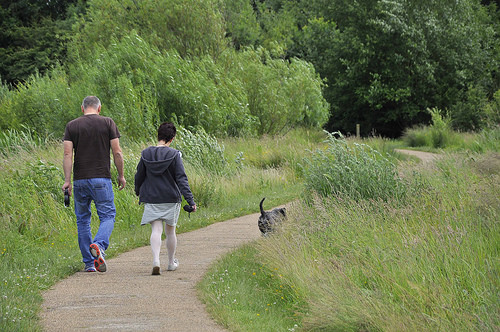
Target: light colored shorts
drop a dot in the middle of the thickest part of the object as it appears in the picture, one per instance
(168, 212)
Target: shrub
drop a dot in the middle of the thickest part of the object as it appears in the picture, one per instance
(12, 141)
(357, 171)
(281, 94)
(440, 128)
(42, 103)
(417, 137)
(492, 110)
(201, 150)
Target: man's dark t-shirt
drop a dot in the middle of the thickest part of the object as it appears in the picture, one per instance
(91, 135)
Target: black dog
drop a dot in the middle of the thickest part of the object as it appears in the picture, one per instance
(267, 220)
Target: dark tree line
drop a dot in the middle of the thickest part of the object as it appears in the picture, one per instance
(34, 35)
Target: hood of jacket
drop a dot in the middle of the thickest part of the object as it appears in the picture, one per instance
(158, 158)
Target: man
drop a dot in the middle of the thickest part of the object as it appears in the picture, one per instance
(91, 137)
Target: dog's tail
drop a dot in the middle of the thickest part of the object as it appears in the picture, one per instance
(261, 209)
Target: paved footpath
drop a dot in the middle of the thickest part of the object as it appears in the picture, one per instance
(128, 298)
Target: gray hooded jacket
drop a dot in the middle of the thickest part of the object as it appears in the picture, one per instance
(160, 177)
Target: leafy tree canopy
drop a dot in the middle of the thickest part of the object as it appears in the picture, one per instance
(386, 62)
(33, 36)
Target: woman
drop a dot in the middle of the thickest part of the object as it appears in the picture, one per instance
(160, 181)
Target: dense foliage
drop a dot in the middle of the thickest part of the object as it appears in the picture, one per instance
(147, 69)
(386, 62)
(240, 67)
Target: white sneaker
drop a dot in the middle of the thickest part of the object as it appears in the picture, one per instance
(173, 267)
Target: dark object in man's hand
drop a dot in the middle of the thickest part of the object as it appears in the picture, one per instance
(66, 197)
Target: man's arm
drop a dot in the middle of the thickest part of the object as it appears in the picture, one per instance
(67, 165)
(118, 160)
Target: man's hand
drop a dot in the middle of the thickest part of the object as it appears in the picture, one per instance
(121, 182)
(67, 185)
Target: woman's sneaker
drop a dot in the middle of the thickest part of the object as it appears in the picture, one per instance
(98, 253)
(173, 267)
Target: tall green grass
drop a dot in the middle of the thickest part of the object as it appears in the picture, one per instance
(13, 141)
(354, 170)
(428, 263)
(38, 236)
(440, 135)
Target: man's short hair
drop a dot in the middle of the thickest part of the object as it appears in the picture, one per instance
(166, 131)
(91, 101)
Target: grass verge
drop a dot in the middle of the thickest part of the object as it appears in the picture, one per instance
(428, 262)
(38, 236)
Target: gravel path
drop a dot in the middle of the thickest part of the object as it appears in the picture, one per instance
(129, 298)
(426, 157)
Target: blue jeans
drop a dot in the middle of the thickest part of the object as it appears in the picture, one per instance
(99, 190)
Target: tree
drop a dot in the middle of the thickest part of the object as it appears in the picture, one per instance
(191, 27)
(33, 36)
(386, 62)
(391, 60)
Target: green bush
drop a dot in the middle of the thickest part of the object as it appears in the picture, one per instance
(440, 128)
(357, 171)
(147, 72)
(492, 110)
(470, 114)
(42, 103)
(238, 95)
(201, 150)
(281, 94)
(13, 141)
(417, 136)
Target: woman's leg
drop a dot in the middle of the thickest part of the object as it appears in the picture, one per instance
(156, 231)
(171, 243)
